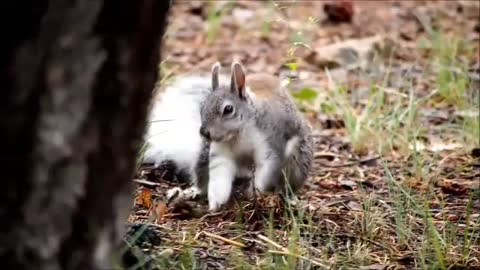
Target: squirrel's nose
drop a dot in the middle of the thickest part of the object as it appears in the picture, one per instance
(204, 132)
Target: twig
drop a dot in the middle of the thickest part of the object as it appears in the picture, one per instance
(223, 239)
(273, 243)
(393, 91)
(369, 241)
(285, 251)
(210, 215)
(146, 183)
(325, 154)
(348, 164)
(315, 262)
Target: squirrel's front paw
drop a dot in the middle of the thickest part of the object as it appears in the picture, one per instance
(174, 193)
(183, 194)
(217, 199)
(192, 192)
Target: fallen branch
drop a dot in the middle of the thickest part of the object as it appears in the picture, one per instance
(223, 239)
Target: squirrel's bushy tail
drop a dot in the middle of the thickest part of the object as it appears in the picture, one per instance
(174, 123)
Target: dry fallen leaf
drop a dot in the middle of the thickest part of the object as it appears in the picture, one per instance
(328, 184)
(416, 183)
(451, 187)
(161, 210)
(355, 206)
(144, 198)
(348, 184)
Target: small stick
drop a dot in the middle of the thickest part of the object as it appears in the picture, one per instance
(273, 243)
(317, 263)
(348, 164)
(146, 183)
(210, 215)
(223, 239)
(285, 251)
(324, 154)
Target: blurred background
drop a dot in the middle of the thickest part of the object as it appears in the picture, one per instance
(404, 48)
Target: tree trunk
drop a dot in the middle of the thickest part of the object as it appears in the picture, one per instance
(76, 79)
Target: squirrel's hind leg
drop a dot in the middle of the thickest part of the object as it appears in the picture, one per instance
(267, 174)
(298, 164)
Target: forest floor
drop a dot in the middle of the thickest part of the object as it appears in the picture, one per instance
(394, 99)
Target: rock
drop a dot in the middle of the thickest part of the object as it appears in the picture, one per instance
(348, 53)
(475, 153)
(339, 11)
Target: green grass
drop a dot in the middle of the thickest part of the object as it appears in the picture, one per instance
(215, 14)
(448, 61)
(267, 24)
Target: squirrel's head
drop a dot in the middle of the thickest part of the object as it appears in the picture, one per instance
(226, 110)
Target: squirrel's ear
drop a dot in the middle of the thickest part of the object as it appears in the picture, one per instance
(215, 71)
(238, 79)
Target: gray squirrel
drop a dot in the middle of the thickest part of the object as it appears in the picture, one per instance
(226, 128)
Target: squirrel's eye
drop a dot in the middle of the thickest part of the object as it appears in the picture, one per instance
(227, 110)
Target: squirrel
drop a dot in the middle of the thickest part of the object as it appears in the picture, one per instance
(237, 127)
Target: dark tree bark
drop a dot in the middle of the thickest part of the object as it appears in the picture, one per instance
(76, 79)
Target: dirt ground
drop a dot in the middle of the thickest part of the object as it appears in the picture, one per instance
(396, 176)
